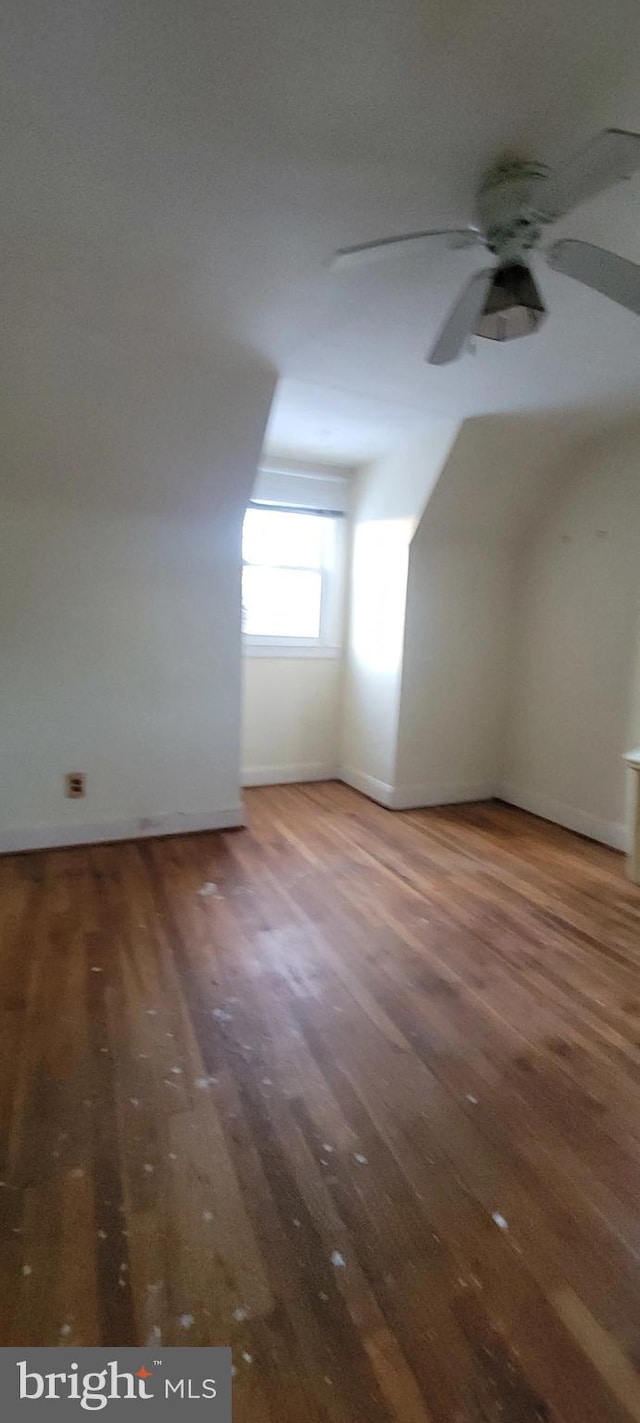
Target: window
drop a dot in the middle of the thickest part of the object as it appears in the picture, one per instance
(290, 578)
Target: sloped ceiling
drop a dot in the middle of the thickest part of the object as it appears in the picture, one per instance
(500, 473)
(196, 163)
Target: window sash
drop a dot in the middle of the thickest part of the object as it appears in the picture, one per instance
(283, 602)
(331, 591)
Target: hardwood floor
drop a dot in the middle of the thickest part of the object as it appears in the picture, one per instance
(356, 1092)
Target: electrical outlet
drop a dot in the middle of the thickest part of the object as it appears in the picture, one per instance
(74, 785)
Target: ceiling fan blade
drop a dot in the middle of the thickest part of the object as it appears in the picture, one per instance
(462, 319)
(614, 276)
(611, 156)
(398, 246)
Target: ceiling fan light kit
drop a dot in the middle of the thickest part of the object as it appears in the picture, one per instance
(517, 200)
(513, 307)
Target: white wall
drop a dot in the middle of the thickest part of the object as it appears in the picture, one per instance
(451, 729)
(575, 706)
(291, 719)
(380, 561)
(436, 531)
(125, 472)
(389, 501)
(460, 595)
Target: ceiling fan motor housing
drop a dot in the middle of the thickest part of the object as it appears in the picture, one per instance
(508, 211)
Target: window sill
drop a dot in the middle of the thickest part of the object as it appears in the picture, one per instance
(288, 649)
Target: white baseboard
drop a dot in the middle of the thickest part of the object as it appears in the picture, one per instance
(415, 797)
(608, 832)
(613, 833)
(369, 785)
(443, 793)
(46, 837)
(49, 837)
(288, 775)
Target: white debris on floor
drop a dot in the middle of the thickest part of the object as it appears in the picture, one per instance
(338, 1260)
(208, 889)
(499, 1220)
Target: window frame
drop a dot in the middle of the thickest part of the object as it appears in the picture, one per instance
(328, 643)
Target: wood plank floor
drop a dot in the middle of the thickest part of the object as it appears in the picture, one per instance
(355, 1092)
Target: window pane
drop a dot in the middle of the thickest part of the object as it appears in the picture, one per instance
(281, 602)
(274, 538)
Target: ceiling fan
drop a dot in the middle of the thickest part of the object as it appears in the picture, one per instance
(516, 201)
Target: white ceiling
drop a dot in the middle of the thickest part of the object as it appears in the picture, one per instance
(200, 159)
